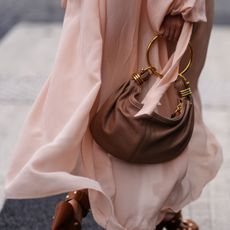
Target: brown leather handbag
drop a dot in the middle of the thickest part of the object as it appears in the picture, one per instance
(145, 139)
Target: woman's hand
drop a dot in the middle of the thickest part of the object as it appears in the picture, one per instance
(63, 3)
(172, 26)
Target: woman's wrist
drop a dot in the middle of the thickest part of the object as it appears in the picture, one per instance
(172, 26)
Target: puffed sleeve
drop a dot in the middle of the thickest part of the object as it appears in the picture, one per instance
(191, 10)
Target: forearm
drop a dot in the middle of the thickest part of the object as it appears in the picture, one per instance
(63, 3)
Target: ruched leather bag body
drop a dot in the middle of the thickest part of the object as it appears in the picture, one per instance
(145, 139)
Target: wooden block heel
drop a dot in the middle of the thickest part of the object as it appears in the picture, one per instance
(69, 213)
(177, 223)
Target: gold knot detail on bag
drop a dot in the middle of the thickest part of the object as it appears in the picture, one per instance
(146, 139)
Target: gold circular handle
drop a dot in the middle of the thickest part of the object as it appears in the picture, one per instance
(154, 70)
(148, 50)
(189, 62)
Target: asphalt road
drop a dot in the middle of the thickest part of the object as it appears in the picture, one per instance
(35, 214)
(12, 12)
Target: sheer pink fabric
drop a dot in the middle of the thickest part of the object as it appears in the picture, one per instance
(102, 44)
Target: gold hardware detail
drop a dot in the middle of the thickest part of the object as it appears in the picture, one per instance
(186, 92)
(153, 71)
(179, 109)
(137, 77)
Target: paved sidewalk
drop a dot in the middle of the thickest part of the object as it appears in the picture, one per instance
(26, 57)
(12, 12)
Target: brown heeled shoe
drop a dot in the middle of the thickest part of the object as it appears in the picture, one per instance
(177, 223)
(69, 213)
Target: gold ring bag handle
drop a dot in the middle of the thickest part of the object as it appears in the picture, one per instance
(169, 71)
(154, 70)
(182, 85)
(140, 77)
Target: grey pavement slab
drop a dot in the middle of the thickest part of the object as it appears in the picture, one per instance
(35, 215)
(12, 12)
(26, 57)
(23, 47)
(214, 81)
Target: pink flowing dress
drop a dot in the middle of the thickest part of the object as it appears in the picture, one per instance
(102, 43)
